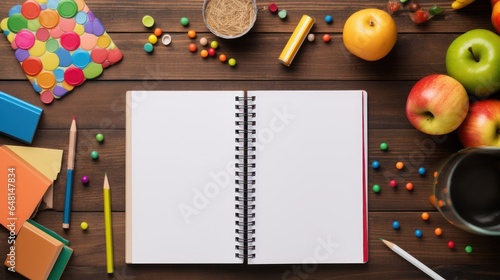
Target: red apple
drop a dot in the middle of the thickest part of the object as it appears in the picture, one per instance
(495, 15)
(437, 104)
(481, 127)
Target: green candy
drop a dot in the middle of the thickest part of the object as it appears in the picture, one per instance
(435, 10)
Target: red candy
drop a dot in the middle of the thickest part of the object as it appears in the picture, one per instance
(451, 244)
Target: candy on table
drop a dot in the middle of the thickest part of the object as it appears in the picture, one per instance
(376, 188)
(192, 47)
(327, 38)
(94, 155)
(451, 244)
(425, 216)
(153, 39)
(203, 41)
(468, 249)
(384, 146)
(232, 62)
(375, 164)
(393, 183)
(84, 225)
(409, 186)
(422, 171)
(191, 34)
(396, 225)
(214, 44)
(184, 21)
(328, 19)
(418, 233)
(273, 8)
(211, 52)
(204, 53)
(222, 57)
(59, 44)
(438, 231)
(85, 179)
(166, 39)
(282, 14)
(400, 165)
(99, 137)
(148, 21)
(311, 37)
(148, 47)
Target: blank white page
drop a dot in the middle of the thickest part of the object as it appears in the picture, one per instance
(180, 177)
(310, 177)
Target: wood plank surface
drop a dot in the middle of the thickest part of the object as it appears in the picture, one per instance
(100, 108)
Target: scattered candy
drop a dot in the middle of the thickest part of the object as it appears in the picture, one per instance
(414, 6)
(393, 183)
(232, 62)
(192, 47)
(222, 57)
(94, 155)
(211, 52)
(214, 44)
(99, 137)
(184, 21)
(282, 14)
(396, 225)
(436, 10)
(422, 171)
(158, 32)
(311, 37)
(425, 216)
(375, 164)
(409, 186)
(148, 21)
(166, 39)
(273, 8)
(328, 19)
(420, 16)
(438, 231)
(384, 146)
(203, 41)
(84, 225)
(204, 53)
(400, 165)
(327, 38)
(393, 6)
(152, 39)
(191, 34)
(148, 47)
(451, 244)
(376, 188)
(468, 249)
(85, 179)
(418, 233)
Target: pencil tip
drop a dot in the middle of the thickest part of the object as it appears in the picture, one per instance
(381, 238)
(74, 117)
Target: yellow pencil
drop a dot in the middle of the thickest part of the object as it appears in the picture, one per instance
(108, 226)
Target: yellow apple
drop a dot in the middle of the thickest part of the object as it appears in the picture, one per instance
(370, 34)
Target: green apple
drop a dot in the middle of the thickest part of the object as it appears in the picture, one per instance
(473, 59)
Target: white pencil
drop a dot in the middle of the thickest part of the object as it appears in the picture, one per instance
(412, 260)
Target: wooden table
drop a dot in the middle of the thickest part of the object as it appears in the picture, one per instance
(99, 106)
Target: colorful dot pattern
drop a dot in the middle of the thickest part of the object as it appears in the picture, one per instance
(59, 43)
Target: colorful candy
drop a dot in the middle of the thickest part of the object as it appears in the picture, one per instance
(438, 231)
(94, 155)
(376, 188)
(328, 19)
(400, 165)
(393, 183)
(184, 21)
(85, 180)
(375, 164)
(451, 244)
(99, 137)
(418, 233)
(327, 38)
(425, 216)
(422, 171)
(191, 34)
(468, 249)
(232, 62)
(84, 225)
(396, 225)
(409, 186)
(384, 146)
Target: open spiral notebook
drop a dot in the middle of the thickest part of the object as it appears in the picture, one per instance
(257, 177)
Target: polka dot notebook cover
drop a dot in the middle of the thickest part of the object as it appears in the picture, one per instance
(60, 44)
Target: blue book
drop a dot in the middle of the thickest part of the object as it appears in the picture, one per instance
(18, 119)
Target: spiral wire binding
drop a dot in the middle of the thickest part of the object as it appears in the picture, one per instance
(245, 166)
